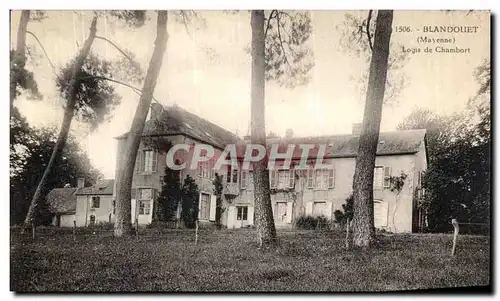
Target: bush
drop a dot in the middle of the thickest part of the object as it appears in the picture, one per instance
(347, 212)
(103, 226)
(309, 222)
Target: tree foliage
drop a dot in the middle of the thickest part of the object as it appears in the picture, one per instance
(21, 79)
(95, 96)
(347, 212)
(288, 57)
(457, 181)
(190, 202)
(218, 188)
(38, 144)
(171, 194)
(356, 34)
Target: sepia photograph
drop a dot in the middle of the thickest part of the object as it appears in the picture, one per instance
(276, 150)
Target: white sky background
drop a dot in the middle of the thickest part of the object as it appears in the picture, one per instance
(218, 88)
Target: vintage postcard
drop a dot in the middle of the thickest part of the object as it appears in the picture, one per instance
(250, 151)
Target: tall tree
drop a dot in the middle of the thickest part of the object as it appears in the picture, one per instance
(171, 194)
(84, 86)
(279, 52)
(19, 56)
(68, 116)
(363, 221)
(266, 231)
(126, 169)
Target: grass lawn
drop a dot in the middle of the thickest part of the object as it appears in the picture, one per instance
(230, 261)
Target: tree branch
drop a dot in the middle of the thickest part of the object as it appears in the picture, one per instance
(117, 48)
(44, 51)
(368, 29)
(281, 40)
(269, 21)
(185, 22)
(135, 89)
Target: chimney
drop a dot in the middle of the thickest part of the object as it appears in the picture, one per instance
(81, 183)
(356, 128)
(289, 133)
(155, 111)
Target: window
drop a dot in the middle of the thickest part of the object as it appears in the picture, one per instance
(204, 206)
(144, 193)
(96, 202)
(243, 179)
(149, 161)
(144, 197)
(232, 175)
(235, 175)
(144, 207)
(114, 206)
(324, 178)
(282, 178)
(228, 175)
(378, 177)
(205, 169)
(242, 214)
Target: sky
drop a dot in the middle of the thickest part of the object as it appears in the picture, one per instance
(216, 84)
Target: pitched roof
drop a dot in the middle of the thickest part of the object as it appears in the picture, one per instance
(62, 200)
(103, 187)
(175, 120)
(339, 146)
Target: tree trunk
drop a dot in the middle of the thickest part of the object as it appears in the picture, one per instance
(20, 52)
(126, 169)
(68, 116)
(363, 221)
(264, 221)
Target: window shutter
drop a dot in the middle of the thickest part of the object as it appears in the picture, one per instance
(243, 180)
(387, 176)
(200, 170)
(289, 212)
(138, 162)
(331, 178)
(199, 205)
(212, 170)
(291, 178)
(309, 208)
(155, 161)
(250, 215)
(272, 179)
(213, 205)
(231, 217)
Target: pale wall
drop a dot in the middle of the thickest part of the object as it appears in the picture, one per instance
(399, 212)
